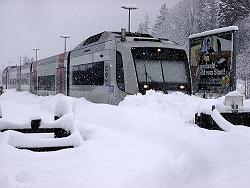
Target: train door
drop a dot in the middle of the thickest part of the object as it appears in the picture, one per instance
(33, 80)
(61, 75)
(120, 64)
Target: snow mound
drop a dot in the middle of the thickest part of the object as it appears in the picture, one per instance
(234, 93)
(147, 141)
(175, 105)
(64, 106)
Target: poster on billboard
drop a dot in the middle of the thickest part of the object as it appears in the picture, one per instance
(212, 60)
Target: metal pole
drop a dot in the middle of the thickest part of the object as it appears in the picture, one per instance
(36, 49)
(65, 42)
(129, 8)
(129, 20)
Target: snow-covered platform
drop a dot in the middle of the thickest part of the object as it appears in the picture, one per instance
(146, 141)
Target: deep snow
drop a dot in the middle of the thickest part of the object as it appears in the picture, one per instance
(146, 141)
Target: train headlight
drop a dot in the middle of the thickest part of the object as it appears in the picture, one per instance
(182, 87)
(158, 50)
(146, 86)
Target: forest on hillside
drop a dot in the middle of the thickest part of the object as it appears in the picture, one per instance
(195, 16)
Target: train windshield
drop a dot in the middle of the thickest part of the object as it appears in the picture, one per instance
(160, 67)
(161, 71)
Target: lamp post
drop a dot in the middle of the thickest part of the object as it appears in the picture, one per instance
(20, 60)
(65, 37)
(36, 50)
(129, 8)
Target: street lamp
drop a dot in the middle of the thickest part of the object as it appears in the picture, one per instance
(20, 60)
(65, 37)
(129, 8)
(36, 50)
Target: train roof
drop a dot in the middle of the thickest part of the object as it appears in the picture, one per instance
(102, 37)
(109, 35)
(51, 59)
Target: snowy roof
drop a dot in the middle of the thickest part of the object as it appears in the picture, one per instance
(214, 31)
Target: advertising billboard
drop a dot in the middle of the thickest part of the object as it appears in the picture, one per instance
(212, 61)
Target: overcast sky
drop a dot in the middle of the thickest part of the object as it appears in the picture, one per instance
(28, 24)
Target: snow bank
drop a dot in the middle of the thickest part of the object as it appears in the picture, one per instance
(147, 141)
(234, 93)
(64, 106)
(175, 106)
(67, 122)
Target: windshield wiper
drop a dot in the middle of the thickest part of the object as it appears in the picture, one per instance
(163, 87)
(148, 76)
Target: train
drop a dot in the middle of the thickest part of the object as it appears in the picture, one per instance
(105, 68)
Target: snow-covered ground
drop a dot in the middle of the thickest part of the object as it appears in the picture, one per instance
(147, 141)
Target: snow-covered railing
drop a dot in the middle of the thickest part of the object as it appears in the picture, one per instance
(34, 143)
(231, 110)
(61, 128)
(65, 133)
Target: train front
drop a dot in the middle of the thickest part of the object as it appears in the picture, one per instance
(161, 69)
(158, 65)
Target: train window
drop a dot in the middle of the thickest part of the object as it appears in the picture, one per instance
(92, 39)
(81, 68)
(158, 65)
(25, 79)
(174, 71)
(149, 71)
(46, 82)
(89, 74)
(75, 68)
(89, 66)
(119, 71)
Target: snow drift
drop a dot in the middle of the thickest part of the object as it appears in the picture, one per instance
(146, 141)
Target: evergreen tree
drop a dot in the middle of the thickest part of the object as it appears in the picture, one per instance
(144, 26)
(201, 15)
(26, 60)
(231, 11)
(32, 59)
(141, 28)
(213, 9)
(163, 14)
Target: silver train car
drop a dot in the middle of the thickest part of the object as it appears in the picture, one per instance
(105, 68)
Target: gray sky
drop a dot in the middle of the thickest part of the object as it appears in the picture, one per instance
(28, 24)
